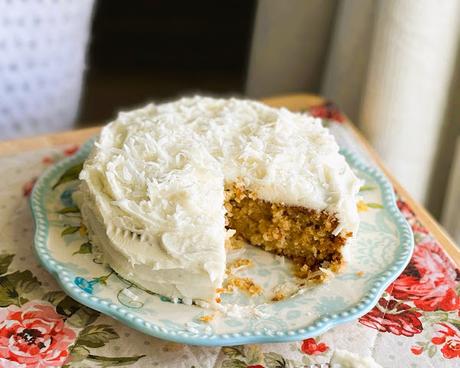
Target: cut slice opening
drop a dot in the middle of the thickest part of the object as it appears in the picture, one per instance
(303, 235)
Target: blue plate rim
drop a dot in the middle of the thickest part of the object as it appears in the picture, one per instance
(122, 314)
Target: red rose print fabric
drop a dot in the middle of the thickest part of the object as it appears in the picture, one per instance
(312, 347)
(426, 296)
(448, 338)
(328, 111)
(429, 281)
(34, 336)
(396, 318)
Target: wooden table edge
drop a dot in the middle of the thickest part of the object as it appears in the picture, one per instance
(14, 146)
(425, 217)
(293, 102)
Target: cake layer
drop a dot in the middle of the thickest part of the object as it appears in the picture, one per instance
(173, 281)
(154, 185)
(154, 206)
(303, 235)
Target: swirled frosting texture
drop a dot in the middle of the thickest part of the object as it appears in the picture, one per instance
(152, 188)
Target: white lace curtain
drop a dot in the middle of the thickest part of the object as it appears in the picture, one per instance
(393, 66)
(42, 61)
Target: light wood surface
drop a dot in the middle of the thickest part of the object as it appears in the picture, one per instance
(292, 102)
(48, 140)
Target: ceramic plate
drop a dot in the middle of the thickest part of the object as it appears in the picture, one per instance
(383, 249)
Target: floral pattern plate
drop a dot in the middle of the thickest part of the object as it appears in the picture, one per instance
(383, 249)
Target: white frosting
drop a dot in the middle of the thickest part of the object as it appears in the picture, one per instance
(152, 191)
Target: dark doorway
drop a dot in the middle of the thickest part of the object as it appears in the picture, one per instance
(155, 50)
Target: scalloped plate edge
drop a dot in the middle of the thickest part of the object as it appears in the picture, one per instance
(123, 314)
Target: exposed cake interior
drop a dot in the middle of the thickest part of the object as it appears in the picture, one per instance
(303, 235)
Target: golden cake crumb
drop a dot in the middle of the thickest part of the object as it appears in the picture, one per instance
(303, 235)
(234, 243)
(278, 296)
(83, 230)
(301, 271)
(218, 300)
(362, 206)
(239, 263)
(245, 284)
(207, 318)
(228, 289)
(360, 273)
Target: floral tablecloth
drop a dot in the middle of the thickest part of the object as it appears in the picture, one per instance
(416, 323)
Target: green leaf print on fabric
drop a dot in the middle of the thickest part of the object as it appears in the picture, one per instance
(253, 354)
(96, 336)
(85, 248)
(23, 281)
(77, 354)
(70, 230)
(71, 174)
(80, 353)
(5, 261)
(78, 315)
(65, 210)
(83, 317)
(275, 360)
(233, 351)
(432, 351)
(54, 297)
(233, 363)
(67, 306)
(374, 205)
(113, 361)
(8, 294)
(13, 285)
(241, 356)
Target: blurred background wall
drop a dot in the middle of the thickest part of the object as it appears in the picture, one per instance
(43, 55)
